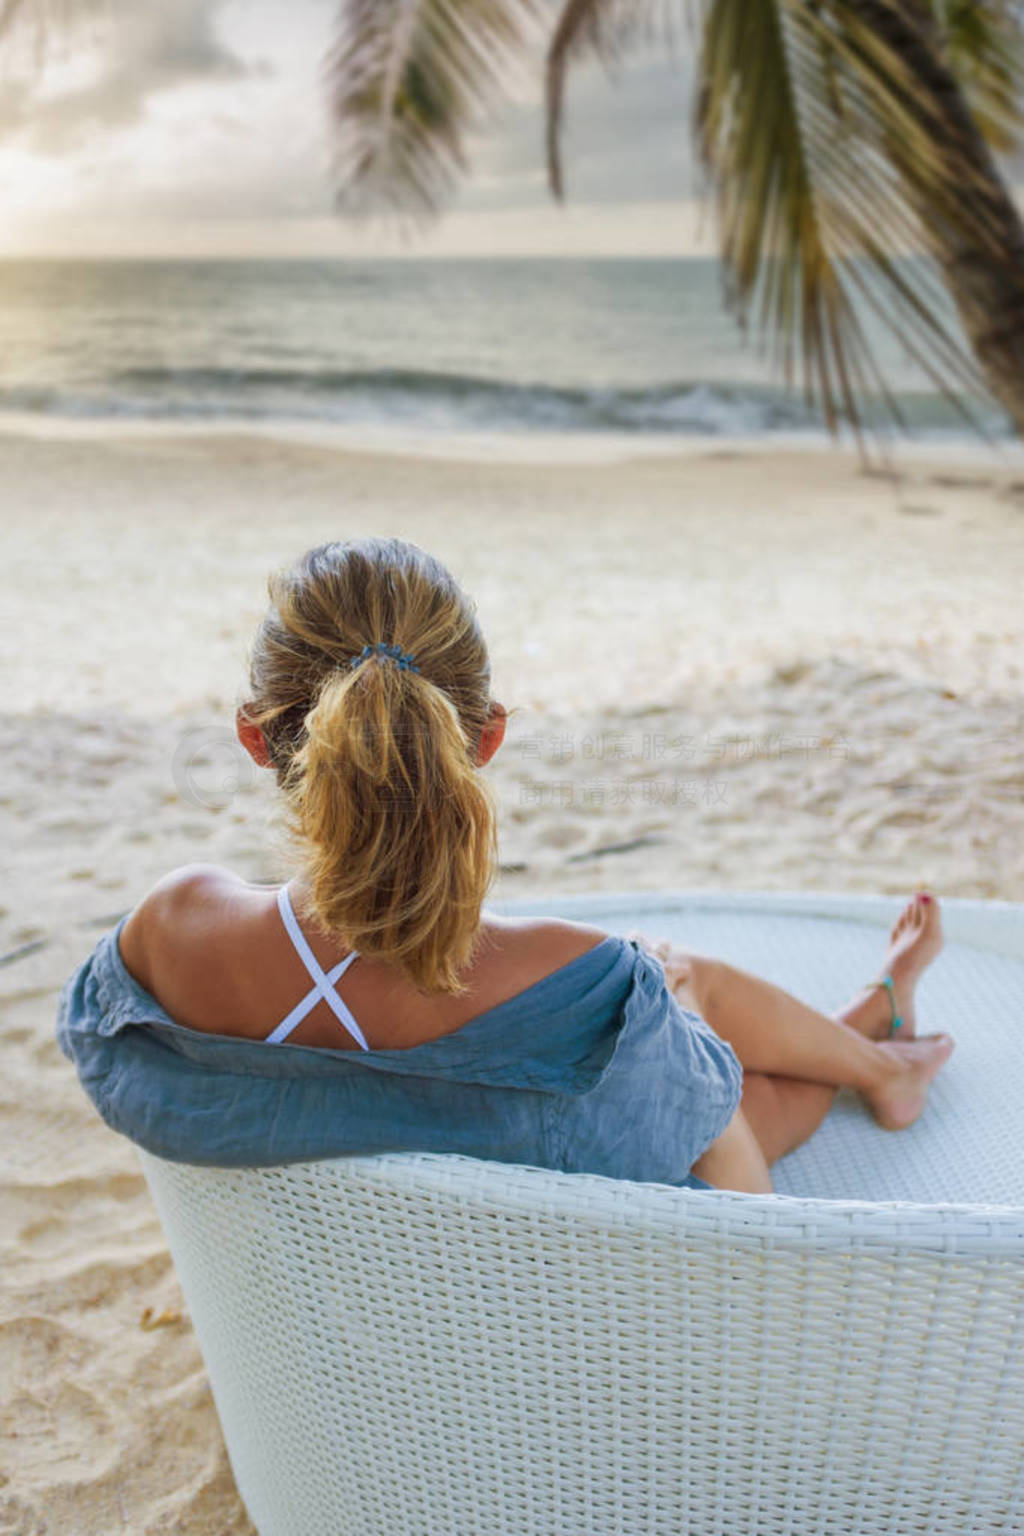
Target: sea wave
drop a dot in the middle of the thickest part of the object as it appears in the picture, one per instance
(453, 401)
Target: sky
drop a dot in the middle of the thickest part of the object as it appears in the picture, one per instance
(199, 127)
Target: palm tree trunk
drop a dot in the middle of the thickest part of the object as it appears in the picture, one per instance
(981, 256)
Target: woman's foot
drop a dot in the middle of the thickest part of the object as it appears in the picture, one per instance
(914, 942)
(902, 1091)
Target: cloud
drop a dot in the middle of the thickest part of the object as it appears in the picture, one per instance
(140, 52)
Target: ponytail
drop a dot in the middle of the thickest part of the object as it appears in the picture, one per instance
(395, 824)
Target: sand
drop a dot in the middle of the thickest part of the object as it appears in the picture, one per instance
(737, 669)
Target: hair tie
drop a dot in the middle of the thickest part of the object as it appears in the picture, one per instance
(403, 658)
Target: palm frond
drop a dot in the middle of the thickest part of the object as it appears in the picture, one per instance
(579, 27)
(829, 129)
(609, 29)
(983, 44)
(408, 80)
(827, 146)
(755, 144)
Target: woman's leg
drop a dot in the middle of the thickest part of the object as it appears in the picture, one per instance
(736, 1160)
(783, 1112)
(794, 1057)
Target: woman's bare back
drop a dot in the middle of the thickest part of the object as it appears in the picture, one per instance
(212, 949)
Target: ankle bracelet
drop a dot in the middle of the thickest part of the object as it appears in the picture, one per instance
(887, 983)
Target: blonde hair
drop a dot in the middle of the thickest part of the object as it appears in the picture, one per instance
(395, 825)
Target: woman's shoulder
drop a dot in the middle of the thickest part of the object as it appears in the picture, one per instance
(547, 943)
(190, 881)
(181, 902)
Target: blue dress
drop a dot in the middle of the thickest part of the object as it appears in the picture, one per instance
(594, 1069)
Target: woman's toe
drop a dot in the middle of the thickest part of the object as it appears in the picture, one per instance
(901, 922)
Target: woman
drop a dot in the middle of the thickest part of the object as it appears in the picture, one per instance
(373, 1003)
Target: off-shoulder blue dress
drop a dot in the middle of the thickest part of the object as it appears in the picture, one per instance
(594, 1069)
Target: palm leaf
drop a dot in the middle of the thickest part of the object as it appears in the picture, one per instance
(984, 48)
(831, 153)
(609, 29)
(408, 80)
(910, 149)
(811, 211)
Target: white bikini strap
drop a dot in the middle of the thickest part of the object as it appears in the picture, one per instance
(309, 1002)
(323, 985)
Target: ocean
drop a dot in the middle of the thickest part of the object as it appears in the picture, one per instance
(644, 349)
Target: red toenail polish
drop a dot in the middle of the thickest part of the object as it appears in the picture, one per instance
(925, 897)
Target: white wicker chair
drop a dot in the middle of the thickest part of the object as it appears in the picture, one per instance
(414, 1345)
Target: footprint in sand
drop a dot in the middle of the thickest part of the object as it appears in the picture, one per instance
(69, 826)
(39, 1349)
(200, 830)
(18, 1519)
(66, 1429)
(560, 834)
(960, 482)
(28, 933)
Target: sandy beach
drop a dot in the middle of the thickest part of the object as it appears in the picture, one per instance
(747, 669)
